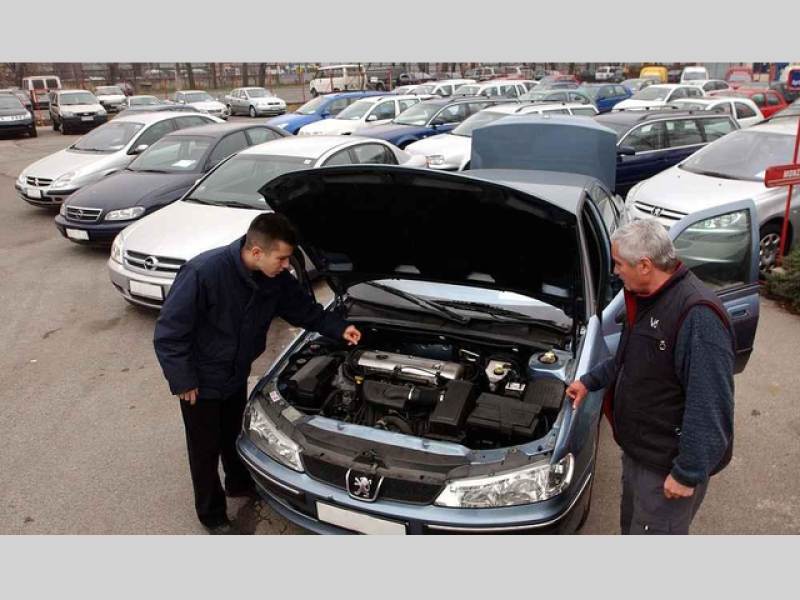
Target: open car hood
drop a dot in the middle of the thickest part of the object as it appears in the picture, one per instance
(364, 223)
(543, 142)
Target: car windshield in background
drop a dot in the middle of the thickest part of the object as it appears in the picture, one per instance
(651, 93)
(356, 110)
(735, 77)
(425, 89)
(144, 101)
(590, 91)
(258, 93)
(312, 106)
(7, 102)
(478, 120)
(173, 155)
(468, 90)
(198, 97)
(237, 181)
(693, 76)
(419, 114)
(110, 137)
(692, 105)
(109, 91)
(742, 154)
(75, 99)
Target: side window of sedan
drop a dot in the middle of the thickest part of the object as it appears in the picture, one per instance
(759, 99)
(683, 132)
(646, 138)
(743, 111)
(384, 110)
(619, 91)
(190, 121)
(607, 207)
(678, 93)
(259, 135)
(575, 97)
(154, 133)
(405, 104)
(694, 92)
(340, 158)
(715, 128)
(227, 146)
(339, 105)
(773, 100)
(373, 154)
(450, 114)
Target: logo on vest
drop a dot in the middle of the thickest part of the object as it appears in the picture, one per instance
(653, 322)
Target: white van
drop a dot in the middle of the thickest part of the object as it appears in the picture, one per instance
(693, 74)
(337, 78)
(39, 88)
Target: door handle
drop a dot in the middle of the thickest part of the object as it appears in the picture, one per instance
(740, 312)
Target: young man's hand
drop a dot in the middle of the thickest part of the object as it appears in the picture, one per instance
(577, 391)
(352, 335)
(189, 396)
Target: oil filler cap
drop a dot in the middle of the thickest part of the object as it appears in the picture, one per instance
(548, 358)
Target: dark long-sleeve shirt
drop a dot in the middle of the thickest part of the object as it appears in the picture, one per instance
(704, 363)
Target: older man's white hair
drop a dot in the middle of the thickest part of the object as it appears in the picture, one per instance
(645, 238)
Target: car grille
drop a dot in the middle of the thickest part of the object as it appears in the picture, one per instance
(147, 263)
(658, 212)
(39, 181)
(84, 215)
(85, 114)
(400, 490)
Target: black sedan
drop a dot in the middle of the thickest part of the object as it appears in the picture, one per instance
(14, 117)
(161, 175)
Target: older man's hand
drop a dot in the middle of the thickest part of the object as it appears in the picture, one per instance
(352, 335)
(674, 490)
(577, 391)
(189, 396)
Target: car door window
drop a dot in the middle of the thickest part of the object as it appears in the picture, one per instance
(405, 104)
(743, 111)
(619, 91)
(340, 158)
(474, 107)
(758, 99)
(683, 132)
(694, 92)
(259, 135)
(227, 146)
(373, 154)
(718, 250)
(575, 97)
(191, 121)
(384, 110)
(646, 138)
(715, 128)
(339, 105)
(588, 111)
(773, 100)
(677, 93)
(607, 207)
(154, 133)
(451, 114)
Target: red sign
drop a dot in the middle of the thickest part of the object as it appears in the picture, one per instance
(782, 175)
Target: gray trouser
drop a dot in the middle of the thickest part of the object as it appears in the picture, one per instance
(644, 508)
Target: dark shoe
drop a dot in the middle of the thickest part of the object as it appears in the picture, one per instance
(226, 528)
(248, 492)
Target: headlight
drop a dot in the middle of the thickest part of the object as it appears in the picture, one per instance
(67, 113)
(523, 486)
(63, 209)
(729, 223)
(22, 179)
(116, 249)
(64, 180)
(435, 160)
(102, 111)
(270, 439)
(125, 214)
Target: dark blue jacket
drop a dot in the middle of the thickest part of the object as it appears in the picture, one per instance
(214, 322)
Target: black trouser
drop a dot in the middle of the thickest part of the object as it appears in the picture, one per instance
(645, 510)
(211, 430)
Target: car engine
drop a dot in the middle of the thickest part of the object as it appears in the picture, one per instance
(479, 397)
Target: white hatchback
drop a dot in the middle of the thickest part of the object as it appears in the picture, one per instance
(659, 95)
(373, 110)
(743, 110)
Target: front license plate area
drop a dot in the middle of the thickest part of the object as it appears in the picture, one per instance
(147, 290)
(356, 521)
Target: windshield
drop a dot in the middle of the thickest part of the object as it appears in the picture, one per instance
(689, 105)
(258, 93)
(419, 114)
(468, 90)
(79, 98)
(742, 154)
(651, 93)
(739, 77)
(144, 101)
(7, 102)
(425, 89)
(237, 181)
(694, 76)
(311, 107)
(110, 90)
(356, 110)
(173, 155)
(110, 137)
(477, 120)
(198, 97)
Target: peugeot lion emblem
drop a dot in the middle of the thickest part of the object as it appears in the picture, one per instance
(151, 263)
(362, 486)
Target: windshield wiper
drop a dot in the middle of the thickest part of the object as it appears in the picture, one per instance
(235, 204)
(429, 304)
(199, 201)
(148, 170)
(505, 314)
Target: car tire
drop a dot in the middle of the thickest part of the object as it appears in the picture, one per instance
(229, 109)
(314, 92)
(769, 239)
(253, 113)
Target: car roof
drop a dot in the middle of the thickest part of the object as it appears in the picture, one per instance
(623, 117)
(360, 93)
(192, 91)
(75, 91)
(306, 146)
(782, 126)
(153, 117)
(565, 190)
(218, 130)
(512, 108)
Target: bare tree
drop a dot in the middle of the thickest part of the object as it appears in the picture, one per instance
(262, 74)
(190, 75)
(245, 75)
(113, 72)
(212, 67)
(18, 71)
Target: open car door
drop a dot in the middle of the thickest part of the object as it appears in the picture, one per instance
(720, 246)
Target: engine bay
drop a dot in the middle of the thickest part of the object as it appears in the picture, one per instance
(476, 394)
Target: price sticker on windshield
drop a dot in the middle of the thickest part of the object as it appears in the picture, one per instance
(782, 175)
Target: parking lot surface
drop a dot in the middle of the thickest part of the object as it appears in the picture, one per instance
(92, 442)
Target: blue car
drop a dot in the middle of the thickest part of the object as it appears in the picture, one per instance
(316, 109)
(450, 416)
(650, 141)
(431, 117)
(606, 95)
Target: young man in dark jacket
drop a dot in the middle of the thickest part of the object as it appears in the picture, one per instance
(212, 326)
(670, 384)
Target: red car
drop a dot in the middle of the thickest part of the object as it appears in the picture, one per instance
(739, 76)
(769, 101)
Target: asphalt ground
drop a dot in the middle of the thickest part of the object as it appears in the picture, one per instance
(91, 442)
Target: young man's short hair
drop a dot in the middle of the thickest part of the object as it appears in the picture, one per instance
(268, 228)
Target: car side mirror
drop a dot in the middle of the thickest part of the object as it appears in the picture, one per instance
(372, 118)
(140, 148)
(325, 114)
(626, 151)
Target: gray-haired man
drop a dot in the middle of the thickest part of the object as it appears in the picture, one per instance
(670, 383)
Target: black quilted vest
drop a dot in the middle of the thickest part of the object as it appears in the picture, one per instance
(649, 399)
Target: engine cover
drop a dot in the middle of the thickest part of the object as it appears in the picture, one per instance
(410, 368)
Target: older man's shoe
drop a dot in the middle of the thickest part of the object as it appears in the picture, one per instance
(226, 528)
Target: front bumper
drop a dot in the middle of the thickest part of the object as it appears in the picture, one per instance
(297, 496)
(15, 127)
(270, 111)
(42, 196)
(98, 233)
(78, 122)
(122, 277)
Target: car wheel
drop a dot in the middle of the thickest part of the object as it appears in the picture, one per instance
(63, 128)
(253, 113)
(314, 92)
(229, 108)
(768, 246)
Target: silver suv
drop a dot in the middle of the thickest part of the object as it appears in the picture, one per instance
(75, 109)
